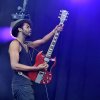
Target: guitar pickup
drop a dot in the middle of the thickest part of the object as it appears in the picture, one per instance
(39, 77)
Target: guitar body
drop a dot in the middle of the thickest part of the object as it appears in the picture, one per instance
(41, 77)
(45, 76)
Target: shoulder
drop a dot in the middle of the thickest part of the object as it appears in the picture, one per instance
(14, 45)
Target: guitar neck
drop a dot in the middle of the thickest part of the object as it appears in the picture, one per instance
(52, 45)
(62, 17)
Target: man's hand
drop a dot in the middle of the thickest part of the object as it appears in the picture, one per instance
(43, 66)
(58, 28)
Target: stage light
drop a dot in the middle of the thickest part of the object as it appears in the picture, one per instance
(5, 35)
(79, 2)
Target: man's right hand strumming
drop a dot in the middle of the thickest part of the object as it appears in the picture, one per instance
(42, 66)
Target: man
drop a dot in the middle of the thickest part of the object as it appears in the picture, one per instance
(20, 60)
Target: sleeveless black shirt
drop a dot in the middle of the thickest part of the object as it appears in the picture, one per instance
(24, 58)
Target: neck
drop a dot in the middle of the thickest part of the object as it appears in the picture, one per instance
(21, 38)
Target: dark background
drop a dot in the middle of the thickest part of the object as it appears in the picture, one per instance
(77, 72)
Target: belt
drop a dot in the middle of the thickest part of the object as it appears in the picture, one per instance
(21, 73)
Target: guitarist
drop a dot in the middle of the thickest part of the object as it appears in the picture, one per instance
(20, 60)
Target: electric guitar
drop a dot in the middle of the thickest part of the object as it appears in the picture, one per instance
(45, 76)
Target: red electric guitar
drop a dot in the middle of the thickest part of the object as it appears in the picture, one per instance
(45, 76)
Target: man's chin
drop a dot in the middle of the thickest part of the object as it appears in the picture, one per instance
(29, 35)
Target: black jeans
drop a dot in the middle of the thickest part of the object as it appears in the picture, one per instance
(23, 92)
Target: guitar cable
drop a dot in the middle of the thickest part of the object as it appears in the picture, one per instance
(47, 92)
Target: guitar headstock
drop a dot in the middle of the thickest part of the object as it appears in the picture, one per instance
(63, 16)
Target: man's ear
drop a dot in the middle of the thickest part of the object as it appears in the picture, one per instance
(20, 29)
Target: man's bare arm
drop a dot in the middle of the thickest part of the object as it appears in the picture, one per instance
(14, 50)
(47, 37)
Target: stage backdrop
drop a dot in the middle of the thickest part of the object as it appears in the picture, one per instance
(76, 75)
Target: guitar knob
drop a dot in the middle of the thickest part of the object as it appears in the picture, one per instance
(50, 78)
(50, 74)
(47, 77)
(47, 81)
(43, 82)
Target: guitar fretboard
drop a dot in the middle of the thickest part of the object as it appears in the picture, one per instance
(62, 17)
(52, 45)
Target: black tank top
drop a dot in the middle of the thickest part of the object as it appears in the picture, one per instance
(24, 58)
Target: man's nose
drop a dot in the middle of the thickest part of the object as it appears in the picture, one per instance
(30, 29)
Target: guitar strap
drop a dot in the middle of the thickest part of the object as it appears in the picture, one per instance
(21, 73)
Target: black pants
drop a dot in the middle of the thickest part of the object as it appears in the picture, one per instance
(23, 92)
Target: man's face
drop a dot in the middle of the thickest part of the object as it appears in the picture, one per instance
(26, 29)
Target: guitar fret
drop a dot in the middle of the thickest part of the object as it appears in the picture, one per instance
(49, 52)
(55, 37)
(50, 49)
(57, 34)
(52, 46)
